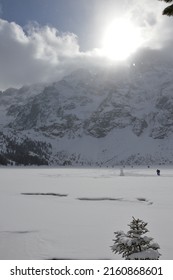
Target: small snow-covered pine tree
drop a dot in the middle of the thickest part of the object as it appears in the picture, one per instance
(135, 245)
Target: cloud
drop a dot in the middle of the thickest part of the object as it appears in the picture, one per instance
(37, 54)
(148, 16)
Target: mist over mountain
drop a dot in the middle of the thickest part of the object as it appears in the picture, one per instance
(95, 116)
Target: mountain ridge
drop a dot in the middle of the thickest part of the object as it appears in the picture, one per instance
(92, 117)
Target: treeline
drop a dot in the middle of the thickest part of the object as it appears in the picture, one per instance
(25, 153)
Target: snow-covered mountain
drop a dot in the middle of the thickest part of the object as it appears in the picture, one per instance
(102, 116)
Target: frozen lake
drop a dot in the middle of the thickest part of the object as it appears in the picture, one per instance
(48, 213)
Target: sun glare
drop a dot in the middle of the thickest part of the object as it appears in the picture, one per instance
(121, 38)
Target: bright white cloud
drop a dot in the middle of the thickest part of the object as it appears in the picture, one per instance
(42, 54)
(145, 15)
(155, 28)
(38, 55)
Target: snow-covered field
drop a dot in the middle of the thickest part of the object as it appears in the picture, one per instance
(73, 213)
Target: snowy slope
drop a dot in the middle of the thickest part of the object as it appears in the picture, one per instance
(102, 116)
(80, 220)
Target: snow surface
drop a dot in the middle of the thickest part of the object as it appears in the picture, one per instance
(48, 213)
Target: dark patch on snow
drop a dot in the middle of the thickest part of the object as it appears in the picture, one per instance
(99, 199)
(141, 199)
(22, 231)
(52, 259)
(46, 194)
(150, 203)
(18, 231)
(60, 259)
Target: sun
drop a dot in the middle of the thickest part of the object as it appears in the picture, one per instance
(120, 39)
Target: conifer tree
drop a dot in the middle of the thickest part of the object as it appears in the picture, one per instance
(135, 245)
(169, 10)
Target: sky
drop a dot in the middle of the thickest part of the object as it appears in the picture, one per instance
(43, 40)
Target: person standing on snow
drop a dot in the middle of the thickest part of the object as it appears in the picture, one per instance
(158, 172)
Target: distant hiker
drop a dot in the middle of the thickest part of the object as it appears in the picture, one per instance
(158, 172)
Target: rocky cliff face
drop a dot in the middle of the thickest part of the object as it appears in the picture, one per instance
(120, 115)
